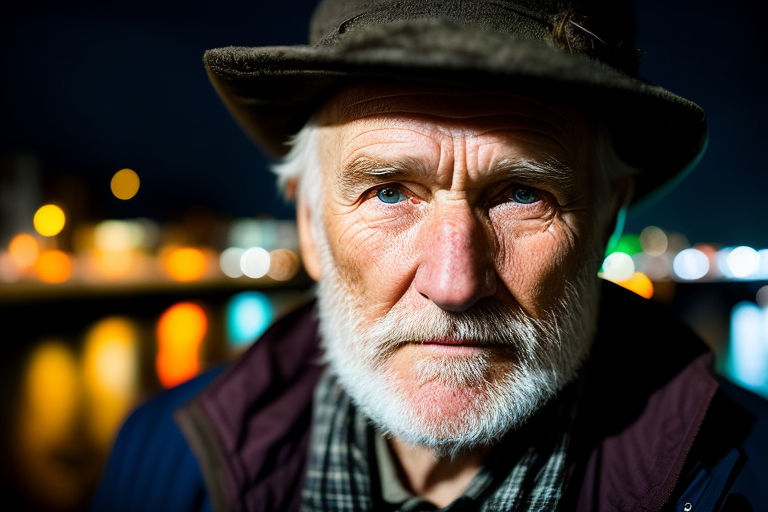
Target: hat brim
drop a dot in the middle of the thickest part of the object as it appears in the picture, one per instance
(272, 91)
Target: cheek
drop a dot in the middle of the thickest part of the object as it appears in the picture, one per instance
(376, 264)
(535, 265)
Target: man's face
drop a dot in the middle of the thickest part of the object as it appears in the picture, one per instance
(457, 240)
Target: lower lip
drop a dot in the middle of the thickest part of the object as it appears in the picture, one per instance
(453, 349)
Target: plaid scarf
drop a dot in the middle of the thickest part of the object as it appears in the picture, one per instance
(518, 476)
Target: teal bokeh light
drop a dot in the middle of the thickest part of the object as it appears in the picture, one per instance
(248, 316)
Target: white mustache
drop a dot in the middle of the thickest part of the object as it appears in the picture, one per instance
(488, 323)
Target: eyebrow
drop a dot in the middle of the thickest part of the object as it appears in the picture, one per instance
(365, 171)
(547, 171)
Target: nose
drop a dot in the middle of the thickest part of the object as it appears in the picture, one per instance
(456, 264)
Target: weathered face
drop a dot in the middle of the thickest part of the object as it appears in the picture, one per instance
(458, 255)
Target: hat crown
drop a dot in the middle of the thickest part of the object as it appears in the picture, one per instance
(601, 29)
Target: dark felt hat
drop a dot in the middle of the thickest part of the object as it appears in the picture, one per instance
(582, 50)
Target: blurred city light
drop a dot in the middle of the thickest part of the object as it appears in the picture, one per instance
(49, 220)
(50, 398)
(618, 266)
(283, 264)
(747, 359)
(638, 283)
(653, 241)
(629, 244)
(248, 316)
(254, 262)
(180, 333)
(110, 369)
(690, 264)
(229, 261)
(125, 184)
(24, 250)
(184, 263)
(54, 266)
(741, 262)
(117, 235)
(761, 297)
(46, 424)
(253, 233)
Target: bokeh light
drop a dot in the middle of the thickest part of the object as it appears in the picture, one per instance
(46, 441)
(125, 184)
(184, 263)
(24, 250)
(639, 283)
(747, 358)
(741, 262)
(618, 266)
(654, 241)
(180, 333)
(51, 396)
(690, 264)
(248, 316)
(53, 266)
(283, 264)
(110, 368)
(229, 261)
(49, 220)
(628, 243)
(761, 297)
(254, 262)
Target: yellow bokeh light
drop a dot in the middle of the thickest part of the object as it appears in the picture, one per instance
(54, 266)
(125, 184)
(639, 283)
(180, 333)
(50, 398)
(110, 370)
(49, 220)
(24, 250)
(184, 263)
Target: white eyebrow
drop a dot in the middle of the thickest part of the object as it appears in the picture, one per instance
(365, 171)
(549, 171)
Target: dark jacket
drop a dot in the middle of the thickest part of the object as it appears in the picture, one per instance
(656, 430)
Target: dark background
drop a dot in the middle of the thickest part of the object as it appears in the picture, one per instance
(91, 87)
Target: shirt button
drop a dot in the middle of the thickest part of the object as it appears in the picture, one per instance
(688, 507)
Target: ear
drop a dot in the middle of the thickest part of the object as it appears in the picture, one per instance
(309, 254)
(625, 188)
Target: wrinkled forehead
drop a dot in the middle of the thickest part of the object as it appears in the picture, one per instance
(547, 119)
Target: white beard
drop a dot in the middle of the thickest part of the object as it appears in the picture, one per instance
(546, 355)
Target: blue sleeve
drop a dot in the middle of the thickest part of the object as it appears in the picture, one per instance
(151, 467)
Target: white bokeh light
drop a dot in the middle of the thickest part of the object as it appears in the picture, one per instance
(254, 262)
(229, 261)
(618, 266)
(742, 262)
(690, 264)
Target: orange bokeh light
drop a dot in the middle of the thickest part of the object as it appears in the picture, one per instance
(54, 266)
(184, 263)
(180, 333)
(639, 283)
(24, 250)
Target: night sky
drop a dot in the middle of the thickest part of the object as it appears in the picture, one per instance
(92, 87)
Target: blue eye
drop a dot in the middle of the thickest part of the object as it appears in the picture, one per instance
(390, 195)
(524, 195)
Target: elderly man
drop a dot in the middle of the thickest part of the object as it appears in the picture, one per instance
(458, 175)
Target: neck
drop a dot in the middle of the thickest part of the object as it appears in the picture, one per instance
(439, 480)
